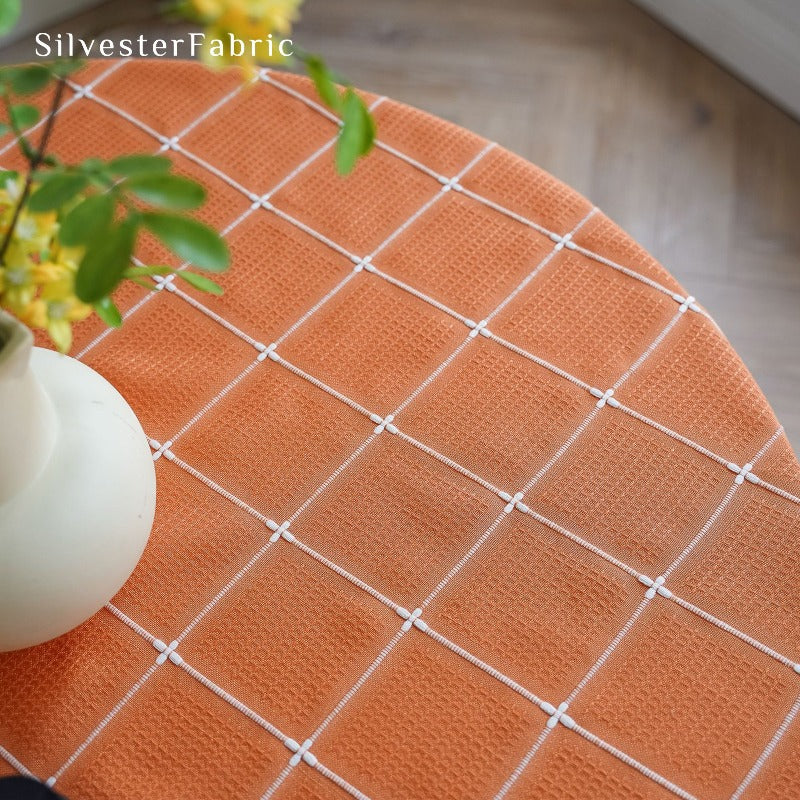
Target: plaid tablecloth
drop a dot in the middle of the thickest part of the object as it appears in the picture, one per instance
(460, 494)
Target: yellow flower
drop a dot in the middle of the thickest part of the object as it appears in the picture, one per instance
(273, 16)
(251, 22)
(37, 276)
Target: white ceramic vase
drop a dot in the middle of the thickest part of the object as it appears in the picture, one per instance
(77, 490)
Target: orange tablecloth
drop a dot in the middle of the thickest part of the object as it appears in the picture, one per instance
(460, 495)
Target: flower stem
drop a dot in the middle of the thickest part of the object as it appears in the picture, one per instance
(34, 162)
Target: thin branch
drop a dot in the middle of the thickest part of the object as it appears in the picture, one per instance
(33, 164)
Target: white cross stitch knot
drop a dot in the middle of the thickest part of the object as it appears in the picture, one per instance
(655, 586)
(268, 352)
(411, 618)
(686, 303)
(167, 652)
(478, 328)
(169, 143)
(558, 715)
(301, 752)
(158, 448)
(364, 263)
(449, 183)
(165, 282)
(604, 397)
(513, 502)
(743, 474)
(563, 241)
(383, 423)
(279, 531)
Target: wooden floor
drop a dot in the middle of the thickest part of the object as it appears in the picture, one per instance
(699, 168)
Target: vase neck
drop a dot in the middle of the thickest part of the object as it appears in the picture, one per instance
(27, 419)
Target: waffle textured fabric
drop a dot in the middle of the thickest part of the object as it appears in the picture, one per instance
(460, 495)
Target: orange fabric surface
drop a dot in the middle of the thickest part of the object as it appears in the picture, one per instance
(409, 544)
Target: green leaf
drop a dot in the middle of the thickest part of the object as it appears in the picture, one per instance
(104, 262)
(64, 67)
(57, 191)
(167, 191)
(323, 81)
(200, 282)
(23, 115)
(89, 219)
(130, 166)
(91, 165)
(29, 80)
(190, 240)
(147, 271)
(108, 312)
(9, 14)
(357, 134)
(4, 128)
(7, 175)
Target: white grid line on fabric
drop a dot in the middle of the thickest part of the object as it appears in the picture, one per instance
(562, 450)
(526, 759)
(421, 295)
(15, 763)
(739, 634)
(160, 283)
(454, 465)
(78, 90)
(164, 449)
(647, 353)
(612, 646)
(179, 661)
(171, 287)
(343, 573)
(458, 566)
(340, 782)
(774, 489)
(560, 241)
(332, 477)
(566, 240)
(643, 579)
(738, 481)
(319, 304)
(491, 204)
(656, 343)
(656, 588)
(363, 585)
(283, 531)
(768, 750)
(447, 184)
(102, 724)
(556, 714)
(339, 706)
(632, 762)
